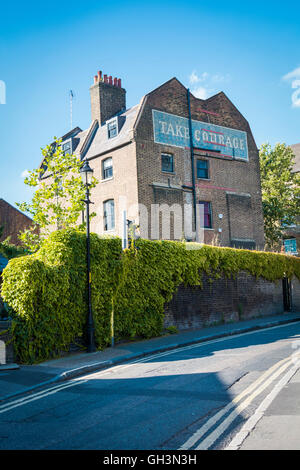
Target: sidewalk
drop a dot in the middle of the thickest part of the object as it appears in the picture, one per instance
(275, 425)
(279, 428)
(24, 379)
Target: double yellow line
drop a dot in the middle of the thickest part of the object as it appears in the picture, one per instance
(37, 396)
(236, 406)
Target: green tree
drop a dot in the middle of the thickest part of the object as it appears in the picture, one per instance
(58, 199)
(9, 250)
(280, 191)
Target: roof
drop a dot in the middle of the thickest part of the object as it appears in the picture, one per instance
(94, 141)
(101, 143)
(296, 150)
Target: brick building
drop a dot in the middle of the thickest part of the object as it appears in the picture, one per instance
(13, 221)
(171, 158)
(292, 234)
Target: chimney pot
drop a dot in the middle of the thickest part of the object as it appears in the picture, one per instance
(106, 101)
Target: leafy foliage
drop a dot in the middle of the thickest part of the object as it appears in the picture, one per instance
(47, 290)
(9, 250)
(58, 199)
(280, 191)
(47, 293)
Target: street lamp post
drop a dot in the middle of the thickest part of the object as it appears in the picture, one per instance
(86, 175)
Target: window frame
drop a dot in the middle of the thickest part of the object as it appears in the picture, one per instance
(209, 214)
(106, 216)
(207, 169)
(67, 142)
(103, 170)
(165, 154)
(112, 125)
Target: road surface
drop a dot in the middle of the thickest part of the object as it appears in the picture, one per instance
(194, 397)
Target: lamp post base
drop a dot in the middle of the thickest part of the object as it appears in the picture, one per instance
(91, 346)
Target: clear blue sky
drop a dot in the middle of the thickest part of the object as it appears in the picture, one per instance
(250, 50)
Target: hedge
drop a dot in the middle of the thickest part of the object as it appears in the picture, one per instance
(47, 293)
(47, 290)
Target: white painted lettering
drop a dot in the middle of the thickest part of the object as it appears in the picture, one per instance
(213, 137)
(170, 129)
(205, 136)
(163, 126)
(228, 142)
(197, 135)
(186, 132)
(178, 132)
(236, 142)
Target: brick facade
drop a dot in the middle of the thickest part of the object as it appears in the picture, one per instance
(106, 101)
(13, 222)
(232, 189)
(293, 232)
(227, 300)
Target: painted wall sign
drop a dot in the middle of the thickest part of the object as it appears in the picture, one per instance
(174, 130)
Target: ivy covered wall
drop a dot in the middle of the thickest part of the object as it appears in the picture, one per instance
(46, 291)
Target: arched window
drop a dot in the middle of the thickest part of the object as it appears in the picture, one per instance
(109, 214)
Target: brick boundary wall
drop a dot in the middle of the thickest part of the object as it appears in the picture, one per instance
(227, 300)
(295, 288)
(5, 336)
(220, 301)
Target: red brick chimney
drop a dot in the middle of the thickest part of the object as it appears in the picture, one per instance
(108, 98)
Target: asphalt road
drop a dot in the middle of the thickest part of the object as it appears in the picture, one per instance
(195, 397)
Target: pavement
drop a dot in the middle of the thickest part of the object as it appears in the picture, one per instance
(20, 379)
(277, 425)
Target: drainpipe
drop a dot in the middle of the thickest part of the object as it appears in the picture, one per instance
(192, 160)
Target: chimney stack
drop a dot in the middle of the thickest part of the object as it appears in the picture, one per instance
(108, 98)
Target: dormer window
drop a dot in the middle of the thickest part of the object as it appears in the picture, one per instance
(67, 147)
(112, 129)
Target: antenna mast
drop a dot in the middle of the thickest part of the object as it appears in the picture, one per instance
(71, 95)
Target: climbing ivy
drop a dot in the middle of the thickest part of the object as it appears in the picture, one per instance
(47, 293)
(47, 290)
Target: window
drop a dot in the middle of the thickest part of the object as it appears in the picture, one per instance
(206, 208)
(202, 169)
(112, 129)
(109, 214)
(107, 168)
(67, 148)
(167, 162)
